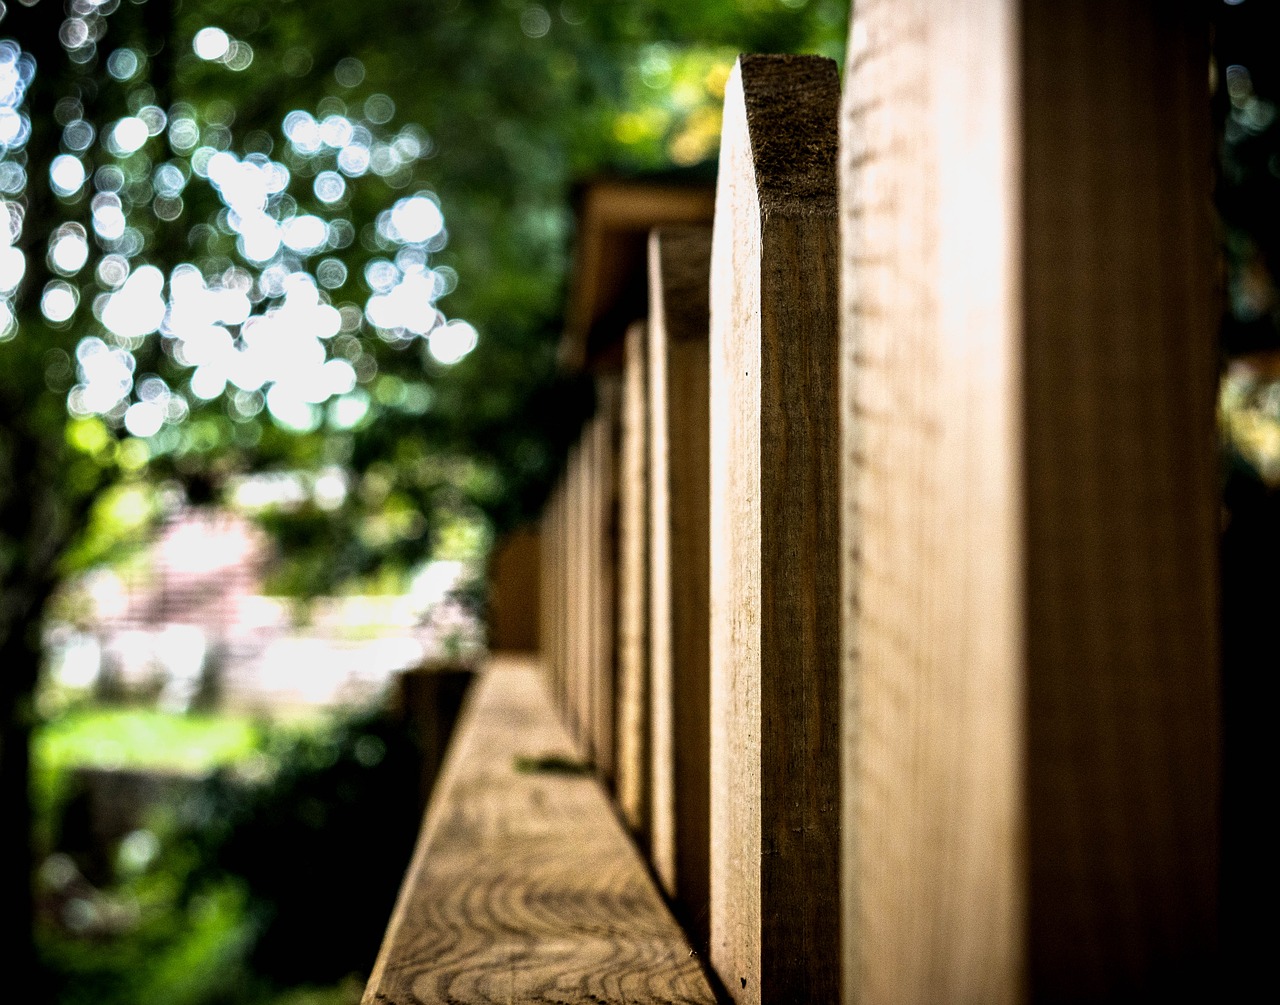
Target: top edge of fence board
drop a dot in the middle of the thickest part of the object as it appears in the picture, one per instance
(613, 218)
(679, 289)
(524, 886)
(792, 109)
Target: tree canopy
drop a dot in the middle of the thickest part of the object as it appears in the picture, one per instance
(328, 237)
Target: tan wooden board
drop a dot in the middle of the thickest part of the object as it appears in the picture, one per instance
(633, 586)
(1030, 698)
(680, 569)
(601, 442)
(775, 535)
(514, 616)
(524, 887)
(614, 217)
(553, 559)
(575, 594)
(549, 548)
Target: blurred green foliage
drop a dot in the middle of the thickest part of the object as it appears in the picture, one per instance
(494, 106)
(137, 738)
(111, 115)
(269, 881)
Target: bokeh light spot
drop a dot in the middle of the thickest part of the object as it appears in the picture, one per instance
(211, 43)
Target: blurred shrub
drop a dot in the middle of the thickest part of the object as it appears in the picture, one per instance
(270, 881)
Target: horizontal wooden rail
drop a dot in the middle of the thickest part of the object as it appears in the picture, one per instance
(524, 886)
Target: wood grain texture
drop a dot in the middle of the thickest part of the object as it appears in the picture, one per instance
(1121, 500)
(633, 586)
(524, 887)
(680, 569)
(775, 536)
(1030, 686)
(932, 686)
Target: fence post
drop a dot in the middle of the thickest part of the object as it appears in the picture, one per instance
(775, 535)
(1030, 699)
(633, 586)
(552, 555)
(579, 598)
(680, 569)
(601, 443)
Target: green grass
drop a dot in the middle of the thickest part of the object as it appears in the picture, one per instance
(144, 738)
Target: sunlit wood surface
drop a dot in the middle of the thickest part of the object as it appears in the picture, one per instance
(1030, 693)
(524, 887)
(775, 543)
(633, 586)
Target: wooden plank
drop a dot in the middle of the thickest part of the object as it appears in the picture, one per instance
(633, 586)
(603, 548)
(607, 287)
(430, 699)
(553, 550)
(680, 570)
(524, 887)
(514, 567)
(1030, 700)
(561, 595)
(547, 546)
(578, 596)
(775, 535)
(584, 530)
(559, 556)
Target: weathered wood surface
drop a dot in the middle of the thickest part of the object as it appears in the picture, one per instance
(633, 586)
(1030, 698)
(680, 569)
(524, 887)
(775, 543)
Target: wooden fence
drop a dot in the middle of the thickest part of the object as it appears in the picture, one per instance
(881, 588)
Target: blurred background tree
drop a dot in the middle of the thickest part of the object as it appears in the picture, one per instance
(324, 239)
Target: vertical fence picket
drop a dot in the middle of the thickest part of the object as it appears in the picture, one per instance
(605, 573)
(633, 586)
(1030, 686)
(680, 569)
(775, 535)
